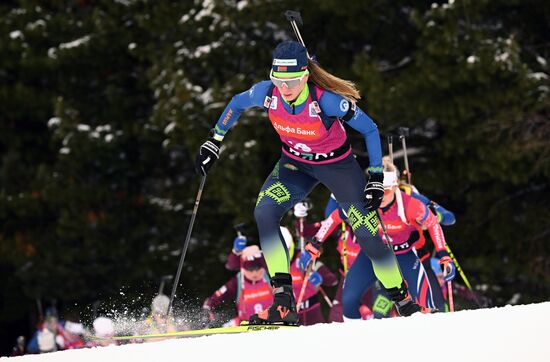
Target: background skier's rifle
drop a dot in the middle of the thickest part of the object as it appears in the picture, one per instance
(295, 18)
(163, 280)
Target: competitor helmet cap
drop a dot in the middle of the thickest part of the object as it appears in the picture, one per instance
(160, 304)
(252, 258)
(289, 57)
(103, 327)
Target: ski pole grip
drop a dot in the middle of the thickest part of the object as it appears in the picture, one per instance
(293, 15)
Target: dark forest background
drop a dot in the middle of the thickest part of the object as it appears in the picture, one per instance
(103, 105)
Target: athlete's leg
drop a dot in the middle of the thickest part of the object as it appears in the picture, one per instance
(437, 293)
(416, 278)
(347, 181)
(337, 311)
(285, 186)
(360, 277)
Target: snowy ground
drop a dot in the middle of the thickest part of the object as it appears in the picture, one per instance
(519, 333)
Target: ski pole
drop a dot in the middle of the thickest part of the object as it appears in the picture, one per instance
(304, 284)
(403, 133)
(450, 296)
(186, 244)
(295, 18)
(302, 241)
(345, 247)
(458, 267)
(390, 146)
(463, 275)
(325, 296)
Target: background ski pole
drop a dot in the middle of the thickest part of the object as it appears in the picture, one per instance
(403, 133)
(463, 276)
(345, 247)
(295, 18)
(325, 296)
(301, 225)
(458, 268)
(304, 284)
(390, 146)
(450, 296)
(186, 244)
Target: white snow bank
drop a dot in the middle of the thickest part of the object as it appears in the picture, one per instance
(519, 333)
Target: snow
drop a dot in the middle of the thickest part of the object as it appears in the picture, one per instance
(16, 34)
(472, 59)
(518, 333)
(75, 43)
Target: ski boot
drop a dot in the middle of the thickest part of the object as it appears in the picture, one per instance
(283, 309)
(403, 302)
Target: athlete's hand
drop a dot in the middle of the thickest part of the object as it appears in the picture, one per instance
(374, 191)
(311, 252)
(315, 279)
(239, 244)
(209, 152)
(449, 268)
(300, 209)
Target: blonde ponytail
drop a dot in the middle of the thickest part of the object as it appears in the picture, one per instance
(325, 80)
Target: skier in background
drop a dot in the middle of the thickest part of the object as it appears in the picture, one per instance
(103, 331)
(308, 106)
(158, 321)
(320, 275)
(310, 309)
(249, 288)
(404, 217)
(335, 217)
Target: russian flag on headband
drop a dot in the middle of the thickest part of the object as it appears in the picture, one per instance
(281, 69)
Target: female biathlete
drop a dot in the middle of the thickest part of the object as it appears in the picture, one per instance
(308, 107)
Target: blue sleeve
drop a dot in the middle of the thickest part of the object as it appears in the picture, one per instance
(421, 197)
(447, 217)
(254, 97)
(32, 346)
(332, 204)
(444, 216)
(334, 105)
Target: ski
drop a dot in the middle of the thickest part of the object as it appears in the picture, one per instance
(207, 332)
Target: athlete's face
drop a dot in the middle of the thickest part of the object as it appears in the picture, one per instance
(389, 193)
(290, 94)
(254, 275)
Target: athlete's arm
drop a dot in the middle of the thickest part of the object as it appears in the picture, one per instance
(334, 105)
(254, 97)
(227, 292)
(419, 213)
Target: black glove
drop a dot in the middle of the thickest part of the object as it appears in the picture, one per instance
(208, 154)
(374, 191)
